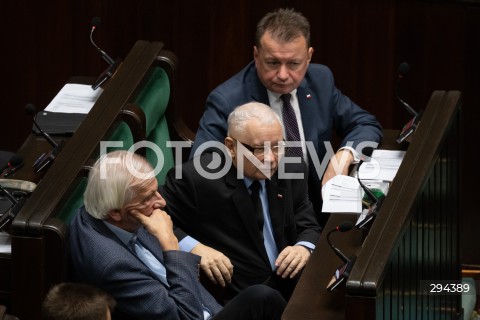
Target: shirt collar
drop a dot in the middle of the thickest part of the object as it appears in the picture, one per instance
(124, 236)
(248, 182)
(273, 96)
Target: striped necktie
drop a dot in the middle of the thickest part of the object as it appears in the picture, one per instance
(291, 125)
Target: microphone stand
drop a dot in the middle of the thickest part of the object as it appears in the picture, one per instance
(374, 207)
(342, 272)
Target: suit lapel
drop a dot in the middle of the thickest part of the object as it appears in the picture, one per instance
(307, 103)
(152, 246)
(258, 91)
(244, 206)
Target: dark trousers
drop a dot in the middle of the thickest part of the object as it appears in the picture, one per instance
(284, 286)
(254, 303)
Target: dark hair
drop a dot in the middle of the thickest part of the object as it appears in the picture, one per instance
(284, 25)
(76, 301)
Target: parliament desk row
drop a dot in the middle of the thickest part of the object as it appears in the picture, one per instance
(136, 105)
(412, 244)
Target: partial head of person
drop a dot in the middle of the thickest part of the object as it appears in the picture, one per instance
(282, 50)
(77, 301)
(255, 140)
(119, 183)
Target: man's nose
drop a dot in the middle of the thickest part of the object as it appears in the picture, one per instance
(268, 155)
(283, 73)
(160, 200)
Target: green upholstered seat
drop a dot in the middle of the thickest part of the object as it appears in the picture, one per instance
(74, 201)
(153, 99)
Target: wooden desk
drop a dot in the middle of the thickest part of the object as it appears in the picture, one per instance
(39, 247)
(318, 272)
(413, 240)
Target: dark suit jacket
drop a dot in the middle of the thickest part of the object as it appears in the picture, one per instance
(220, 214)
(101, 259)
(323, 107)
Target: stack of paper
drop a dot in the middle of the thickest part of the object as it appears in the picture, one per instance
(342, 194)
(383, 165)
(74, 98)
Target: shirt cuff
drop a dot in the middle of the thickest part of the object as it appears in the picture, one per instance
(187, 244)
(356, 157)
(310, 246)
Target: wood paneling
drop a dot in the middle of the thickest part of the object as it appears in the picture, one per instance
(45, 43)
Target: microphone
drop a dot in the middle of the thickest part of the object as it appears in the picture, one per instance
(376, 201)
(30, 108)
(15, 162)
(45, 159)
(343, 227)
(96, 22)
(9, 195)
(342, 273)
(113, 64)
(8, 217)
(402, 71)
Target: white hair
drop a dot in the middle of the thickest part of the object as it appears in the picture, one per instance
(241, 115)
(114, 180)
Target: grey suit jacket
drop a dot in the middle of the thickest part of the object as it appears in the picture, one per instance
(101, 259)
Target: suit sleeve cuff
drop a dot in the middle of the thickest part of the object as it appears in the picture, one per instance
(187, 244)
(306, 244)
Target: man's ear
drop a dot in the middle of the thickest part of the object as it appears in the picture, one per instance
(310, 53)
(115, 215)
(230, 144)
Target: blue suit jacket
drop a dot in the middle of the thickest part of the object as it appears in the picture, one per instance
(101, 259)
(323, 107)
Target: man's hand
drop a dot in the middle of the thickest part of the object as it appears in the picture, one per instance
(291, 261)
(215, 264)
(160, 225)
(339, 164)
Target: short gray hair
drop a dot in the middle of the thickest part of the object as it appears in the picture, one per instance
(112, 184)
(284, 25)
(239, 117)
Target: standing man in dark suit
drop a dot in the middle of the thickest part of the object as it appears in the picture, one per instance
(245, 204)
(122, 242)
(282, 70)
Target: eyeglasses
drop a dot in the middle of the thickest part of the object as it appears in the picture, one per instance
(278, 149)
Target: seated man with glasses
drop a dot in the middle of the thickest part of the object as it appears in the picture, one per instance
(246, 206)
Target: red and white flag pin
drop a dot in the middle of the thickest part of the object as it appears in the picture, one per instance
(280, 196)
(309, 96)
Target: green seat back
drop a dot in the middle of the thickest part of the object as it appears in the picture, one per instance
(74, 201)
(153, 99)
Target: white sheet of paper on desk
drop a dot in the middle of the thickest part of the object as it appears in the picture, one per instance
(383, 165)
(5, 243)
(342, 194)
(74, 98)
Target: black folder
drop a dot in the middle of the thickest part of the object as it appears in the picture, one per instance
(58, 123)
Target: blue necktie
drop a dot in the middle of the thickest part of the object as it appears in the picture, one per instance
(257, 204)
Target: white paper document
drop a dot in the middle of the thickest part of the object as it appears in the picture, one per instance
(5, 243)
(74, 98)
(383, 165)
(342, 194)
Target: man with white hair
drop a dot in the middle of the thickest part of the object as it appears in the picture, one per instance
(122, 242)
(249, 241)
